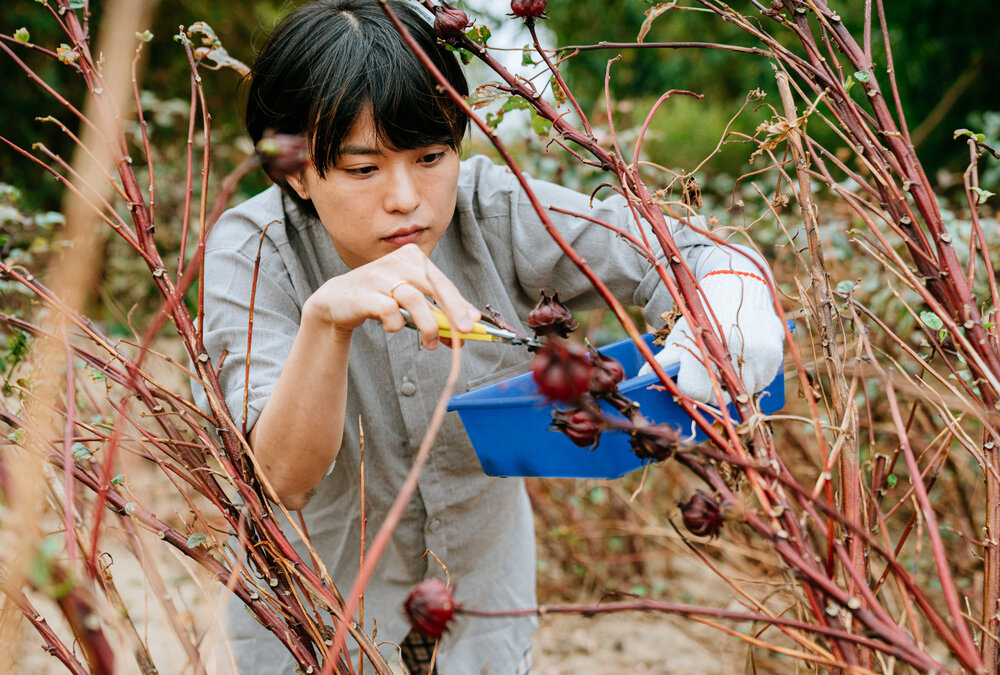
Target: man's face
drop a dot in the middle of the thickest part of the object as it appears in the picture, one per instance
(375, 199)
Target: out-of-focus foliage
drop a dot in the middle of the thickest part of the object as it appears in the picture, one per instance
(943, 54)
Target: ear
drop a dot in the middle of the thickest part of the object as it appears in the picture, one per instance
(297, 183)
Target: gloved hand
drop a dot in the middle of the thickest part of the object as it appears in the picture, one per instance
(753, 332)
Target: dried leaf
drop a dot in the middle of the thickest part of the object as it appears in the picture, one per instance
(651, 15)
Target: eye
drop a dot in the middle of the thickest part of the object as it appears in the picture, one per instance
(432, 158)
(362, 171)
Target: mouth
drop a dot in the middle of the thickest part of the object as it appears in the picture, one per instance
(406, 235)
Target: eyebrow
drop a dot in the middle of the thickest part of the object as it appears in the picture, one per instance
(359, 150)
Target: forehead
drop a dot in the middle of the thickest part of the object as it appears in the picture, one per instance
(362, 138)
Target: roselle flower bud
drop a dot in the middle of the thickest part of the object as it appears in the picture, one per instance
(282, 154)
(605, 374)
(550, 317)
(702, 515)
(583, 426)
(562, 371)
(529, 8)
(654, 441)
(450, 22)
(430, 607)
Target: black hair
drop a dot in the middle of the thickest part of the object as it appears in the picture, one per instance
(329, 60)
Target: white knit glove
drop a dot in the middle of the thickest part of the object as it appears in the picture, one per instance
(753, 332)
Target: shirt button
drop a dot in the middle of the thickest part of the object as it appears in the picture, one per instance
(407, 388)
(434, 525)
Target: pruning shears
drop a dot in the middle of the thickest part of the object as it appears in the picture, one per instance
(481, 332)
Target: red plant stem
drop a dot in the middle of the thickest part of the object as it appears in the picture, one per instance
(52, 92)
(887, 629)
(395, 512)
(844, 409)
(203, 223)
(143, 129)
(117, 503)
(665, 45)
(56, 647)
(641, 605)
(69, 496)
(933, 533)
(152, 575)
(253, 299)
(189, 174)
(125, 234)
(556, 73)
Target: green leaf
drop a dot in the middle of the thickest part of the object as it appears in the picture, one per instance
(478, 34)
(66, 54)
(978, 138)
(862, 76)
(891, 480)
(931, 320)
(82, 453)
(846, 286)
(145, 35)
(118, 480)
(982, 194)
(22, 35)
(527, 56)
(197, 539)
(540, 125)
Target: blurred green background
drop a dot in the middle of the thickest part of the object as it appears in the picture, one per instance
(945, 68)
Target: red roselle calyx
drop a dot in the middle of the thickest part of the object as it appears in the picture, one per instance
(654, 441)
(450, 22)
(562, 371)
(430, 607)
(550, 317)
(582, 425)
(605, 374)
(534, 9)
(702, 515)
(282, 154)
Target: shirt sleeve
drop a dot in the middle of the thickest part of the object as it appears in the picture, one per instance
(229, 285)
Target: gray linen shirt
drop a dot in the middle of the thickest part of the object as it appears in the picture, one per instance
(496, 252)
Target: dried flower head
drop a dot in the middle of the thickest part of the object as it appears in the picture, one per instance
(583, 426)
(605, 374)
(430, 607)
(562, 371)
(282, 155)
(702, 515)
(529, 9)
(550, 317)
(450, 22)
(654, 441)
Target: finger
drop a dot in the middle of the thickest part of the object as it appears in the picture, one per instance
(412, 265)
(386, 310)
(460, 312)
(413, 301)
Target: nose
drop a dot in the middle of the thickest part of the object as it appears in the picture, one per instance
(402, 194)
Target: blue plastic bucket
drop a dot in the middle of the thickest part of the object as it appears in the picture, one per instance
(508, 423)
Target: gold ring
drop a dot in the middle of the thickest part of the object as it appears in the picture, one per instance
(395, 286)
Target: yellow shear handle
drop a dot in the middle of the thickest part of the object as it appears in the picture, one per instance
(444, 329)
